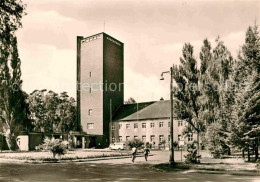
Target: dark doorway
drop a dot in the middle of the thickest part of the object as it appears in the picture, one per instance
(79, 142)
(92, 142)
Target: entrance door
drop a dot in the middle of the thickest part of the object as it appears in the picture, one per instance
(92, 142)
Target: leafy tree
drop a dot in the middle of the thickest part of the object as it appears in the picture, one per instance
(67, 113)
(52, 112)
(51, 104)
(11, 96)
(217, 97)
(38, 110)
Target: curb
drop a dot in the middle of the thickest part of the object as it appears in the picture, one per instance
(64, 161)
(237, 173)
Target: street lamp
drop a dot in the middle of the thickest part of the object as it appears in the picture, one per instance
(171, 160)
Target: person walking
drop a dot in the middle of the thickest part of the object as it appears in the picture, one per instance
(134, 151)
(146, 153)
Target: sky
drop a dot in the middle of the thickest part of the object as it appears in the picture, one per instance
(153, 33)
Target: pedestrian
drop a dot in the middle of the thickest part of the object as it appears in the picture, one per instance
(134, 151)
(146, 153)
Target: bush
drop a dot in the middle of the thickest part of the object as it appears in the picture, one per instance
(148, 145)
(135, 143)
(55, 146)
(192, 156)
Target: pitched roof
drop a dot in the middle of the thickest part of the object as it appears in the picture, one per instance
(128, 109)
(156, 110)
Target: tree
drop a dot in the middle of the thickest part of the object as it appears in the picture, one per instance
(217, 97)
(67, 113)
(186, 93)
(52, 112)
(248, 95)
(131, 100)
(11, 96)
(38, 110)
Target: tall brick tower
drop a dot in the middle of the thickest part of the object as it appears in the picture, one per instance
(100, 90)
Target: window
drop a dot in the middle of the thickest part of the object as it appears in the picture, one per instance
(135, 125)
(120, 126)
(152, 138)
(90, 125)
(120, 138)
(127, 138)
(143, 125)
(89, 74)
(169, 138)
(127, 126)
(190, 137)
(152, 125)
(144, 138)
(135, 137)
(160, 124)
(89, 90)
(113, 139)
(180, 123)
(169, 124)
(90, 112)
(161, 138)
(113, 127)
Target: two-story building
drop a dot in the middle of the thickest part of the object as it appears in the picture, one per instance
(149, 121)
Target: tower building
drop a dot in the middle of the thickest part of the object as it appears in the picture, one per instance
(100, 89)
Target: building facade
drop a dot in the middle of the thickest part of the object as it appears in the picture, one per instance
(149, 124)
(101, 114)
(100, 89)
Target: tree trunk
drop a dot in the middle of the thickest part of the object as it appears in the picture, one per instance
(229, 151)
(243, 153)
(10, 139)
(198, 146)
(256, 149)
(248, 154)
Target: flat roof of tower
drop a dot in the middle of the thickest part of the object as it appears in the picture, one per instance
(100, 34)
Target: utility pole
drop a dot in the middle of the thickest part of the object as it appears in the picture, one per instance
(171, 160)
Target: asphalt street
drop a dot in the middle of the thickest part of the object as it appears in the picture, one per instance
(109, 170)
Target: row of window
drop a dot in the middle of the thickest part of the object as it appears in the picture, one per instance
(90, 39)
(152, 125)
(152, 138)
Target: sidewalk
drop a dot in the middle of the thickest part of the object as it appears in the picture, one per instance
(71, 156)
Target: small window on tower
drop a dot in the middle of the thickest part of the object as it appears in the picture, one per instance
(90, 112)
(90, 125)
(113, 127)
(89, 74)
(113, 139)
(89, 90)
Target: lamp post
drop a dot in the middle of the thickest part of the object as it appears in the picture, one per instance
(171, 160)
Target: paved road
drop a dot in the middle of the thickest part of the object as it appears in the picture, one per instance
(108, 170)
